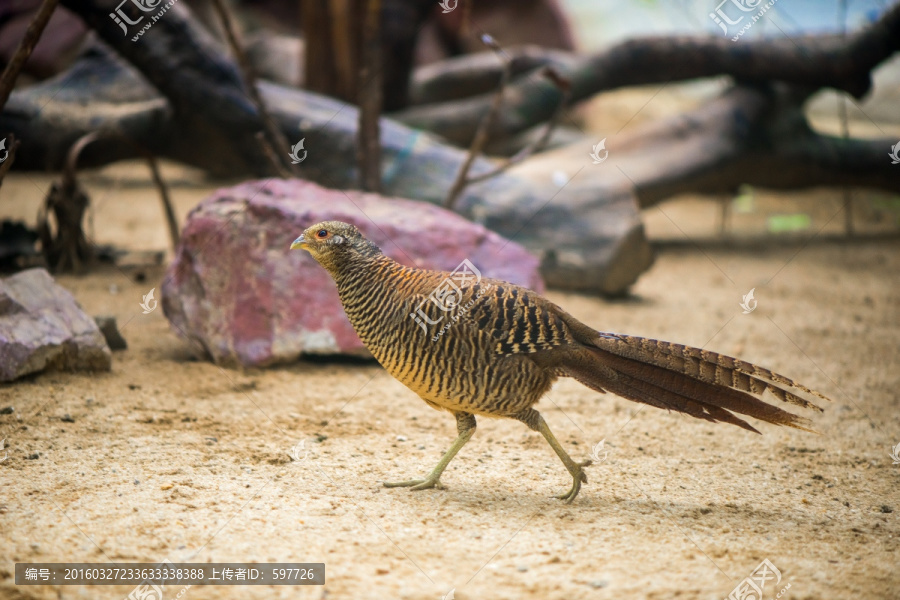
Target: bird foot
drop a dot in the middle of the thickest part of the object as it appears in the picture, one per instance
(417, 484)
(578, 477)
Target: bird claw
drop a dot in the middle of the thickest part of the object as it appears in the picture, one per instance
(417, 484)
(578, 478)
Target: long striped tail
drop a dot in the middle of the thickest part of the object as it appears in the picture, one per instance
(704, 384)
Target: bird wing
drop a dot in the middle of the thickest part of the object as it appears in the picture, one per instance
(518, 320)
(505, 318)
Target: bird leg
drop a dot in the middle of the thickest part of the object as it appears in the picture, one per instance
(535, 421)
(465, 425)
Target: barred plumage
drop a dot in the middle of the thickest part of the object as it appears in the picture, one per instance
(497, 349)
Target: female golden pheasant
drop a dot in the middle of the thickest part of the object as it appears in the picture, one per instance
(482, 346)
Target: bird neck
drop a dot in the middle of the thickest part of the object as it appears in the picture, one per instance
(362, 271)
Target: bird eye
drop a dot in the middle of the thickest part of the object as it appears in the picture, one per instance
(322, 233)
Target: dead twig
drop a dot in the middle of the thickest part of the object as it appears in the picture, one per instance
(69, 247)
(368, 148)
(171, 221)
(156, 174)
(275, 137)
(29, 41)
(563, 84)
(484, 128)
(269, 151)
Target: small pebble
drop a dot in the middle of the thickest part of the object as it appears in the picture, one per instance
(421, 446)
(33, 456)
(7, 410)
(167, 486)
(521, 568)
(110, 331)
(401, 438)
(67, 418)
(136, 482)
(886, 509)
(599, 583)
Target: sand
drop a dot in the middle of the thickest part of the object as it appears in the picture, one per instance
(169, 457)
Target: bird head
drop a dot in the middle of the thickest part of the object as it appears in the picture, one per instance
(334, 244)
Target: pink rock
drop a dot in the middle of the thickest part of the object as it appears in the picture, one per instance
(237, 289)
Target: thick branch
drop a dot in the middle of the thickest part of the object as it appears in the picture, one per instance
(753, 135)
(186, 65)
(812, 61)
(473, 74)
(29, 41)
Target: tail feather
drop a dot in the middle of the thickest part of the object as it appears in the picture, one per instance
(707, 366)
(650, 393)
(663, 387)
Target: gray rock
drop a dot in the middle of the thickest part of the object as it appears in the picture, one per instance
(237, 290)
(43, 327)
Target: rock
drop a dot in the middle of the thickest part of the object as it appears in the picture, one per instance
(236, 288)
(110, 332)
(43, 327)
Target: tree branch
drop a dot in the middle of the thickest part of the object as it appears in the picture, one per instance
(29, 41)
(811, 61)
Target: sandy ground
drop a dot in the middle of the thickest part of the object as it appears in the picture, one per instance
(170, 457)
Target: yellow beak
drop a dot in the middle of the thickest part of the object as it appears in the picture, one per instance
(300, 242)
